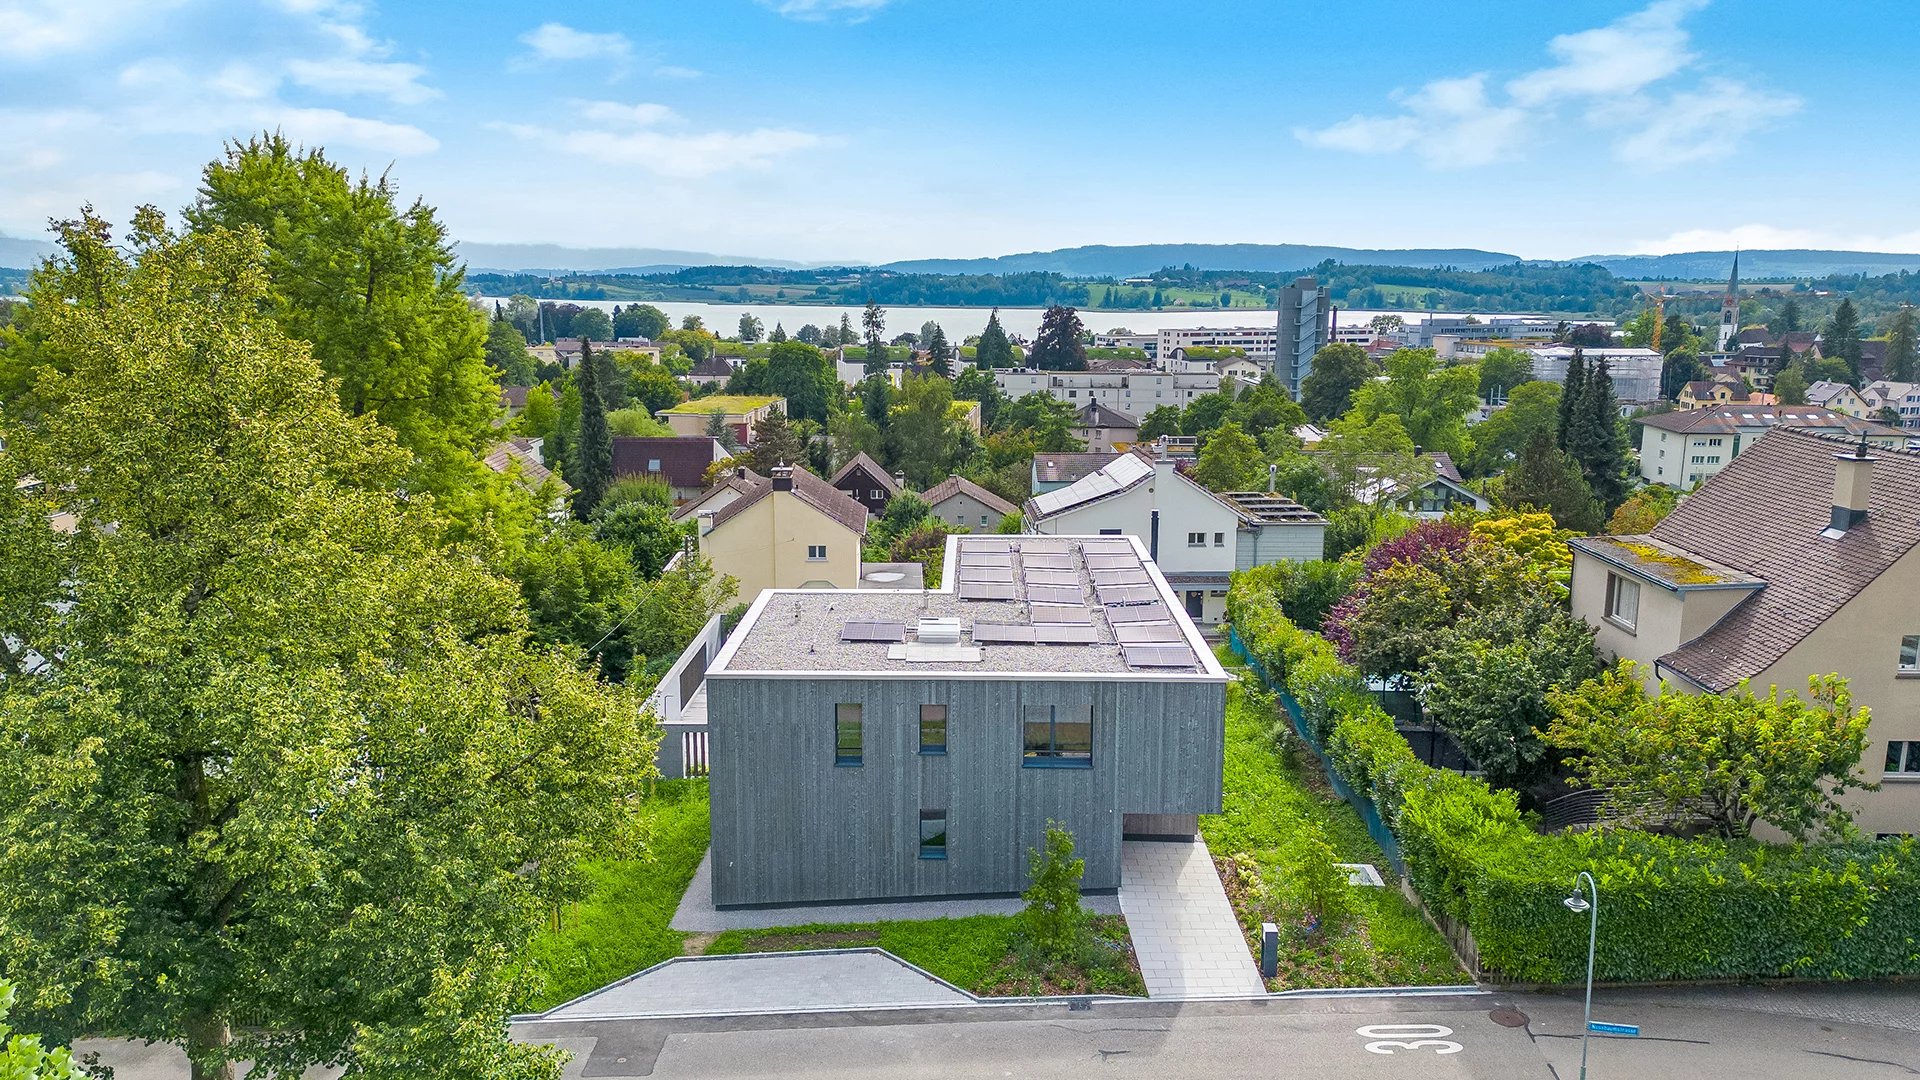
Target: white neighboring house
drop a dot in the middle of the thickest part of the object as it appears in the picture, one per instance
(1447, 490)
(1838, 396)
(1135, 393)
(1680, 449)
(1197, 537)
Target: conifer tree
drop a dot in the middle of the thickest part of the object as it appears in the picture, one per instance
(1903, 350)
(994, 350)
(1570, 396)
(592, 463)
(1594, 439)
(1546, 478)
(874, 322)
(939, 353)
(1841, 340)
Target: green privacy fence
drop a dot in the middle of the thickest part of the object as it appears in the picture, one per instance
(1670, 908)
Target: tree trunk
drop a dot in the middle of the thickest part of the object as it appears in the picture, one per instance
(205, 1038)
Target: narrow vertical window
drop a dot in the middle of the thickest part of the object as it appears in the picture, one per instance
(1910, 655)
(846, 735)
(933, 834)
(933, 729)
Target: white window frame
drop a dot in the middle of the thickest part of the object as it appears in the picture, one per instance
(1909, 661)
(1196, 539)
(820, 549)
(1619, 600)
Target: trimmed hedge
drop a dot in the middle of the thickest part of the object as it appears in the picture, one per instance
(1669, 908)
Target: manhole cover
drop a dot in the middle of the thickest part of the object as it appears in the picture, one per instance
(1508, 1016)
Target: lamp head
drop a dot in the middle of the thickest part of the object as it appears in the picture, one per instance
(1576, 903)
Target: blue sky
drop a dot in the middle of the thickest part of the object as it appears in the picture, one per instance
(885, 129)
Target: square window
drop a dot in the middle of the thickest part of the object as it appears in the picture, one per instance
(816, 553)
(933, 834)
(653, 464)
(1219, 539)
(1910, 655)
(1623, 600)
(983, 519)
(846, 735)
(1057, 736)
(933, 729)
(1196, 539)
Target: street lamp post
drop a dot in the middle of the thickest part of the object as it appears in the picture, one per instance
(1578, 902)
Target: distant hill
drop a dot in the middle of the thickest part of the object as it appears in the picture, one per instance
(1135, 260)
(20, 253)
(1759, 263)
(555, 259)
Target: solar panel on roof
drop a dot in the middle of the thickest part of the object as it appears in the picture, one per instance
(986, 590)
(984, 543)
(873, 631)
(1126, 594)
(1002, 634)
(987, 573)
(1046, 560)
(1131, 576)
(1064, 634)
(1147, 633)
(1138, 613)
(1112, 562)
(1055, 594)
(1158, 656)
(1052, 577)
(986, 558)
(1076, 613)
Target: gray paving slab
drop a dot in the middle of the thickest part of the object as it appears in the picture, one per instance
(697, 914)
(764, 982)
(1184, 932)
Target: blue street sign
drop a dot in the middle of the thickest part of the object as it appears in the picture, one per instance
(1613, 1029)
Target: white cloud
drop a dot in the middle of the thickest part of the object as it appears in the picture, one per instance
(165, 99)
(396, 82)
(1622, 57)
(682, 155)
(1627, 79)
(555, 41)
(821, 10)
(675, 71)
(1702, 123)
(644, 114)
(1450, 122)
(38, 29)
(1755, 236)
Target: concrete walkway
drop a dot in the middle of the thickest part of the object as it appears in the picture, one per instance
(762, 983)
(1184, 931)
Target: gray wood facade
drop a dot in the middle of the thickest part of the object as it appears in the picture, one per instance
(789, 825)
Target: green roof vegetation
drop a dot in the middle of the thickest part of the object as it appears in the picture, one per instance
(731, 404)
(1675, 568)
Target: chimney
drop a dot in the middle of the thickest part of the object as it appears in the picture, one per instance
(1852, 487)
(1153, 537)
(783, 478)
(899, 479)
(1273, 472)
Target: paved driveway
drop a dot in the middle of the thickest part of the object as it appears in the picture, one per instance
(1184, 932)
(763, 983)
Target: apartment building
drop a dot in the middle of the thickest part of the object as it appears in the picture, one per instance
(1680, 449)
(1135, 393)
(1635, 372)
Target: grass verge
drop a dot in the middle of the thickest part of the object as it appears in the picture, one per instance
(1384, 941)
(978, 953)
(621, 926)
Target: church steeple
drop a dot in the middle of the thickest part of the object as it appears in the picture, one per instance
(1730, 305)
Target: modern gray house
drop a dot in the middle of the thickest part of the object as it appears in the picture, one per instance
(870, 745)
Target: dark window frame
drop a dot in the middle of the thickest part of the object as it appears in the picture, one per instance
(1054, 756)
(841, 724)
(933, 749)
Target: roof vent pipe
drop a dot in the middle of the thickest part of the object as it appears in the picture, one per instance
(1273, 474)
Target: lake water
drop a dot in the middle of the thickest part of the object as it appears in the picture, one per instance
(961, 322)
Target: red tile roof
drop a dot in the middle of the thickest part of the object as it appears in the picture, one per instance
(960, 485)
(684, 459)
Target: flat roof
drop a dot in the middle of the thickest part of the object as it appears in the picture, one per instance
(731, 404)
(1032, 607)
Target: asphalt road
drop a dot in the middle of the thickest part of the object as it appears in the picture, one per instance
(1735, 1033)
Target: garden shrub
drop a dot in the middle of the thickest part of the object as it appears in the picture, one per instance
(1670, 908)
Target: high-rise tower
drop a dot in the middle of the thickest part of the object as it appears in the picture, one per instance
(1730, 305)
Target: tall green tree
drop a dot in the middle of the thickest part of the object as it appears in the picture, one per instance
(1207, 412)
(1230, 461)
(1787, 320)
(994, 350)
(1162, 420)
(279, 738)
(1431, 399)
(590, 469)
(977, 384)
(642, 321)
(591, 322)
(1903, 345)
(1501, 370)
(1059, 346)
(775, 442)
(751, 328)
(874, 322)
(925, 435)
(507, 354)
(1570, 390)
(1338, 370)
(1547, 478)
(1840, 340)
(1595, 440)
(377, 291)
(1790, 385)
(939, 353)
(1498, 439)
(778, 335)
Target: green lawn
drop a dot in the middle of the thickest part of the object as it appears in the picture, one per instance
(621, 926)
(1387, 943)
(976, 953)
